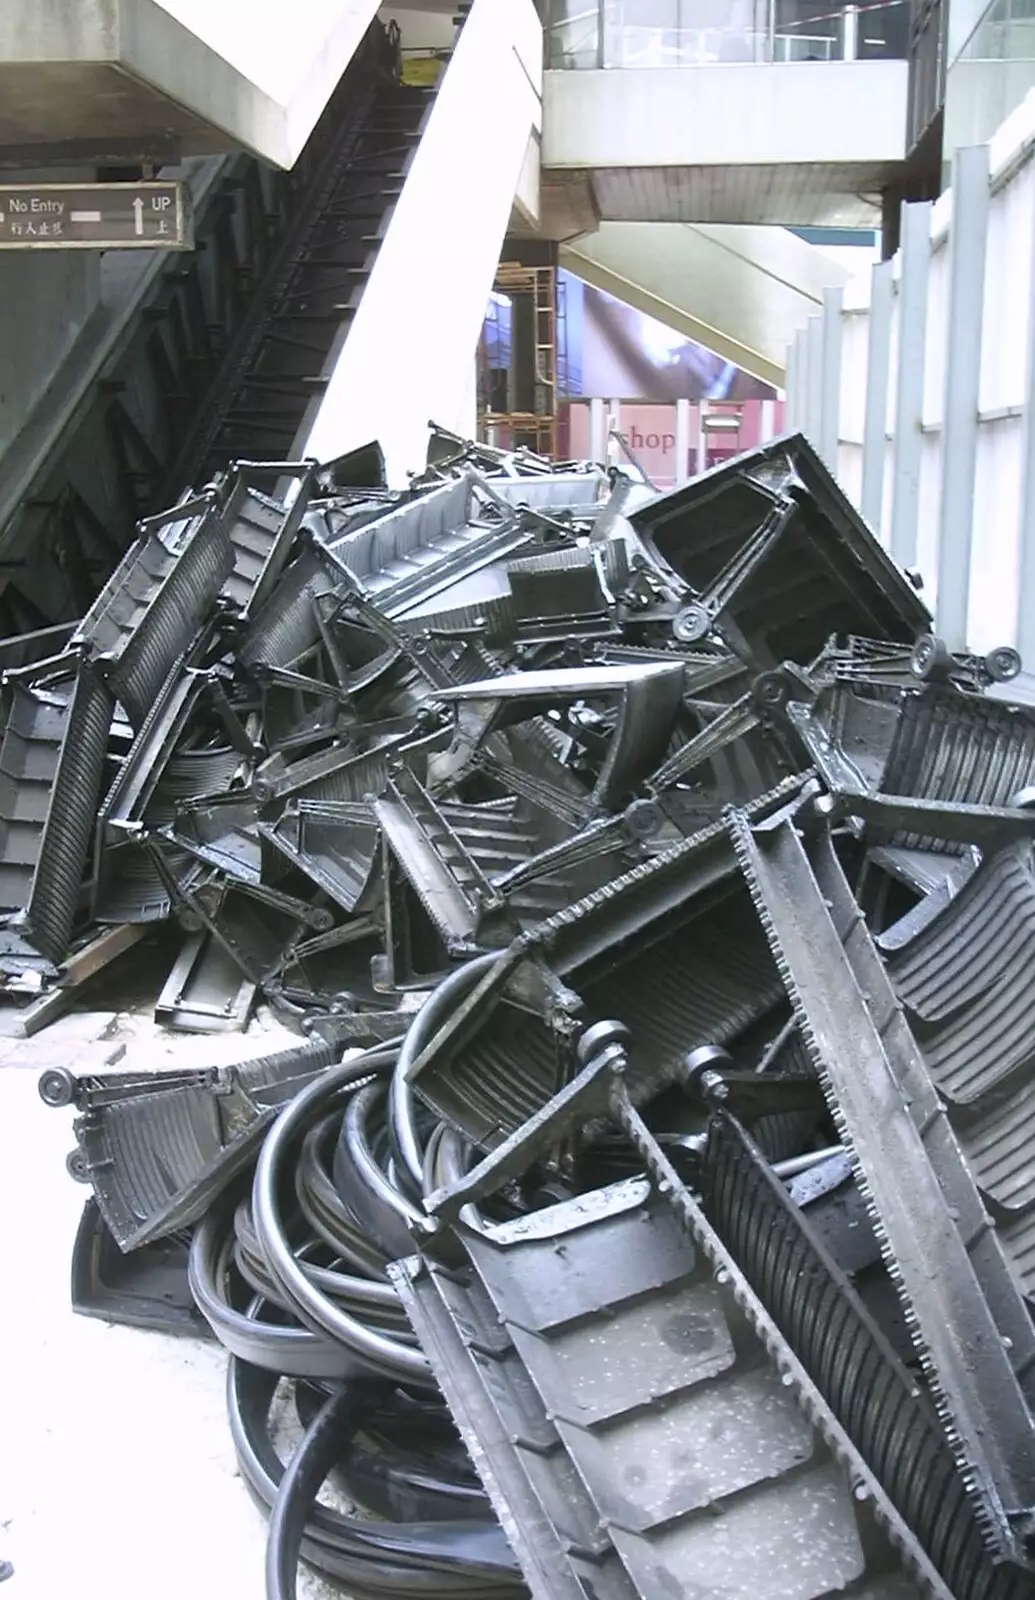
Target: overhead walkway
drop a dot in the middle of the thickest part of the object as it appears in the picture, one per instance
(749, 112)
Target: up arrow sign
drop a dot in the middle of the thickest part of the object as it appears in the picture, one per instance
(93, 216)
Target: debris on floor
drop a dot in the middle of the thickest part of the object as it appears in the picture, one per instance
(646, 1208)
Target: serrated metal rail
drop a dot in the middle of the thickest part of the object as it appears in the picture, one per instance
(935, 1236)
(535, 877)
(876, 1400)
(64, 845)
(29, 753)
(671, 948)
(461, 859)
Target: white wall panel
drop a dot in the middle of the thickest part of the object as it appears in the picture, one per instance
(994, 565)
(927, 522)
(849, 469)
(853, 378)
(1000, 535)
(889, 487)
(937, 334)
(1007, 304)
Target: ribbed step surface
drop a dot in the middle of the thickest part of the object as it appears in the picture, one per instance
(965, 980)
(29, 754)
(630, 1426)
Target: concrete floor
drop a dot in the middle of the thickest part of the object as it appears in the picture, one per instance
(117, 1477)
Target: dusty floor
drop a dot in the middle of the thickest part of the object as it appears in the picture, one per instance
(117, 1476)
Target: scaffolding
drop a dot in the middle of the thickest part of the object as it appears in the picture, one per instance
(534, 425)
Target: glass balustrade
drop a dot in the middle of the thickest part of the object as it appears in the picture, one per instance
(594, 34)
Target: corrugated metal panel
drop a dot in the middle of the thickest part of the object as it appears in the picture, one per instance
(816, 194)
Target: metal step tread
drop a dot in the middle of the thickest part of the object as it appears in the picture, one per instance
(628, 1422)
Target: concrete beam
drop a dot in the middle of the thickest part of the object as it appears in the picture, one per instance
(727, 116)
(742, 292)
(566, 209)
(527, 197)
(732, 144)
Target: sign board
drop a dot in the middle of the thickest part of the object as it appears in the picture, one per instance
(95, 216)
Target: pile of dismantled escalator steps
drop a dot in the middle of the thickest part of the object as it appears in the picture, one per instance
(648, 1207)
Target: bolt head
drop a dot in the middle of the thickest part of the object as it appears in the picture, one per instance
(691, 624)
(643, 819)
(1003, 663)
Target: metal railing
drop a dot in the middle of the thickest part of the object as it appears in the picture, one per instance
(594, 34)
(928, 48)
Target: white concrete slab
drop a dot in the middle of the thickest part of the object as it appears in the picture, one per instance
(244, 74)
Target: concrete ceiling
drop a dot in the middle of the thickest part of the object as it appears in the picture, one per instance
(817, 194)
(46, 102)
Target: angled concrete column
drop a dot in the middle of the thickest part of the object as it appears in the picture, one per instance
(210, 77)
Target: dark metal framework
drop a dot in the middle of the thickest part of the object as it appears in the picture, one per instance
(228, 349)
(534, 425)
